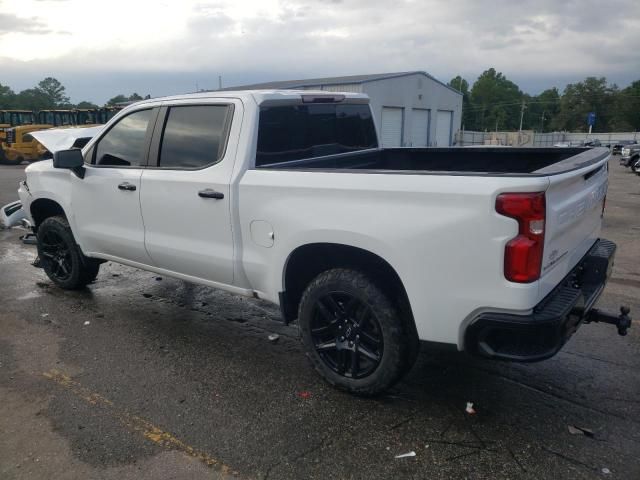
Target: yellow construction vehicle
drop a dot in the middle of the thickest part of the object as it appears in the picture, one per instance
(58, 118)
(14, 118)
(19, 145)
(95, 116)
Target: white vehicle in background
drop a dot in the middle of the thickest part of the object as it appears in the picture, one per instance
(286, 196)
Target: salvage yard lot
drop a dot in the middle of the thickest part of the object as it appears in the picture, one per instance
(141, 376)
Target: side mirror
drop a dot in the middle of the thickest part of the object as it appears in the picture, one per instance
(71, 159)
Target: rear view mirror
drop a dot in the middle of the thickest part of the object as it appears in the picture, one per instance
(71, 159)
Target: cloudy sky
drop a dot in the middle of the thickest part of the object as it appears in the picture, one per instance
(98, 48)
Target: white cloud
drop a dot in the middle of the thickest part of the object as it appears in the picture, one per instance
(534, 41)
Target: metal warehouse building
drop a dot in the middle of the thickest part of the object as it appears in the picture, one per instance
(412, 109)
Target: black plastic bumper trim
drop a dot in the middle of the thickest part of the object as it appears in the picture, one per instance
(541, 334)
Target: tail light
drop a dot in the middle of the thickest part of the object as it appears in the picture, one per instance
(523, 253)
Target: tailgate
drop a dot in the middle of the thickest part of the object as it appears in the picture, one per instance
(574, 202)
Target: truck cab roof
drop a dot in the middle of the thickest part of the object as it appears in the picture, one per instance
(259, 96)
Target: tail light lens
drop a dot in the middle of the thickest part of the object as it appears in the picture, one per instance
(523, 253)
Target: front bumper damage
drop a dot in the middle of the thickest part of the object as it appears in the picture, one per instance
(541, 334)
(12, 215)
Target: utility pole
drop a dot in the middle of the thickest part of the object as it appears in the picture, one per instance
(542, 122)
(460, 84)
(521, 115)
(219, 82)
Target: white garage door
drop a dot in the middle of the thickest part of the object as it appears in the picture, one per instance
(443, 129)
(391, 127)
(420, 127)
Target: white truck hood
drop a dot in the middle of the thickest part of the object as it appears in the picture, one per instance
(63, 138)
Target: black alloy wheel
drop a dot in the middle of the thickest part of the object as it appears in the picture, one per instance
(347, 335)
(61, 258)
(354, 333)
(55, 252)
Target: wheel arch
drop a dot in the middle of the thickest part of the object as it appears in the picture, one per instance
(43, 208)
(307, 261)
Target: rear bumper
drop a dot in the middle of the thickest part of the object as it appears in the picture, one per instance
(541, 334)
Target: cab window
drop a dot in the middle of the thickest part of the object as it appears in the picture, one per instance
(194, 136)
(124, 144)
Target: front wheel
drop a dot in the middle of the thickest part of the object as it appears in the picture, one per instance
(352, 332)
(60, 256)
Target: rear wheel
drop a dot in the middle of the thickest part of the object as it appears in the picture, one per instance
(352, 332)
(60, 256)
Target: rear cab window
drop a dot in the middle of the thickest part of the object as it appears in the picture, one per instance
(300, 131)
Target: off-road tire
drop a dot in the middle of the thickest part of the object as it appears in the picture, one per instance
(82, 270)
(396, 358)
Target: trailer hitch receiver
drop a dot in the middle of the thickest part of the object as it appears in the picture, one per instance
(622, 321)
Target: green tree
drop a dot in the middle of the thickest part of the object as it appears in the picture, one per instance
(578, 99)
(54, 91)
(33, 99)
(541, 110)
(495, 102)
(627, 108)
(86, 104)
(7, 97)
(460, 84)
(134, 97)
(118, 99)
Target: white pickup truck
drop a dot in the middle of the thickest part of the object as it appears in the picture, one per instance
(286, 196)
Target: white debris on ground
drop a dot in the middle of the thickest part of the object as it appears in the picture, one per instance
(406, 455)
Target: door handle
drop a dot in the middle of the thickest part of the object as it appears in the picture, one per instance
(209, 193)
(130, 187)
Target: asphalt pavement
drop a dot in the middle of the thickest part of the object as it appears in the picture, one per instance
(140, 377)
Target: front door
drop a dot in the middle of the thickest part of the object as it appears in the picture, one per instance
(185, 194)
(106, 202)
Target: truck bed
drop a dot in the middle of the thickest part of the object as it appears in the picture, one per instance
(465, 161)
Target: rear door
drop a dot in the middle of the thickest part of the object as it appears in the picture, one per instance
(185, 195)
(574, 203)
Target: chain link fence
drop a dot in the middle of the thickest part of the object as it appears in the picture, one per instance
(529, 138)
